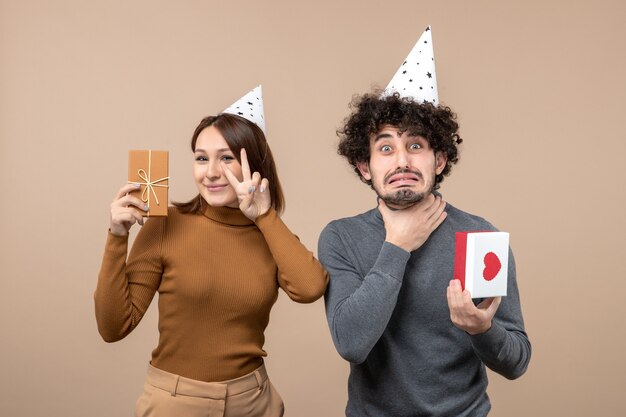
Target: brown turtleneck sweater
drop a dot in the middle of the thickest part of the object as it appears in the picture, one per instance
(217, 276)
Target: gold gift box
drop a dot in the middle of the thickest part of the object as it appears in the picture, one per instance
(150, 169)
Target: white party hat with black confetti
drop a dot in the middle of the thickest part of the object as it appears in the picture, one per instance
(416, 76)
(250, 107)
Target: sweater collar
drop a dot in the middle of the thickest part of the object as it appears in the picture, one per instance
(226, 215)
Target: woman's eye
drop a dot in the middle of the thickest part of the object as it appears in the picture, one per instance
(201, 158)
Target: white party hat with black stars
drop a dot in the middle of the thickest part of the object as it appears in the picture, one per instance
(250, 107)
(416, 76)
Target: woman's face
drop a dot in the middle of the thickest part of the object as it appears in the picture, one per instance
(211, 149)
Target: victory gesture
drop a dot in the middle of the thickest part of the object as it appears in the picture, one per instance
(253, 193)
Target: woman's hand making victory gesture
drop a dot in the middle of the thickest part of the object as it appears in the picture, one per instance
(253, 192)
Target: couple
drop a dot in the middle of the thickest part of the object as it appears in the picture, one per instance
(416, 343)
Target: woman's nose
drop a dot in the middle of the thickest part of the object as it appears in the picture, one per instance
(213, 170)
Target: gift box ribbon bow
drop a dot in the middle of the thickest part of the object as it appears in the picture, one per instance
(149, 183)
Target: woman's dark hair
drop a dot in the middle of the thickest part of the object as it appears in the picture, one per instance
(240, 133)
(437, 124)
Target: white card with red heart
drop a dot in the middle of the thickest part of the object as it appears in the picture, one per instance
(481, 262)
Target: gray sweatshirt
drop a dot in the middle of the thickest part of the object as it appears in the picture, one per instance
(389, 317)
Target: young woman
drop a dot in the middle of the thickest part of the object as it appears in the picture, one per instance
(217, 262)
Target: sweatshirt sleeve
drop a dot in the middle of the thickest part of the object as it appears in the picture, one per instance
(300, 275)
(126, 287)
(505, 347)
(358, 308)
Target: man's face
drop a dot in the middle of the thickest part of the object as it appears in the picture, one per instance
(402, 168)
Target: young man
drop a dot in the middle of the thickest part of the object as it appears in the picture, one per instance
(417, 344)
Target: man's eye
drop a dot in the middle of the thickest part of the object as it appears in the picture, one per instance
(386, 148)
(415, 146)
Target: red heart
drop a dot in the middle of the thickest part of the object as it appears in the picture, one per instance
(492, 266)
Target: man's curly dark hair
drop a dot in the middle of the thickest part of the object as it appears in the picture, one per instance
(437, 124)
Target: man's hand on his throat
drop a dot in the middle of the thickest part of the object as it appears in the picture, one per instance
(409, 228)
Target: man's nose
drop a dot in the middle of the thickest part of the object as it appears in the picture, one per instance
(402, 158)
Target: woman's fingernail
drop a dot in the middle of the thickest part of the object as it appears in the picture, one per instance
(251, 189)
(146, 207)
(262, 189)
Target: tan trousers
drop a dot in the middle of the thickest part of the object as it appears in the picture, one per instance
(169, 395)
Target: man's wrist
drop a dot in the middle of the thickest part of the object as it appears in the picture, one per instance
(479, 331)
(400, 245)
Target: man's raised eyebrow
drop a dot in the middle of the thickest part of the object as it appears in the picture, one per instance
(383, 136)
